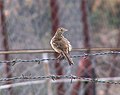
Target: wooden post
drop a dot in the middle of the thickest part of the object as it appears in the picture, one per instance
(3, 31)
(47, 73)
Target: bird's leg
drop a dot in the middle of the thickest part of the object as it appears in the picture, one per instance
(60, 57)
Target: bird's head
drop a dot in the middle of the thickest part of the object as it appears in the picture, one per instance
(61, 30)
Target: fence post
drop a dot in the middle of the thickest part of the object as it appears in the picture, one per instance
(47, 73)
(3, 31)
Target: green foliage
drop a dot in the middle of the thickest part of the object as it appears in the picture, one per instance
(95, 17)
(108, 13)
(113, 20)
(96, 20)
(99, 17)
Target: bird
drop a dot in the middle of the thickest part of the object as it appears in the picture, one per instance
(61, 45)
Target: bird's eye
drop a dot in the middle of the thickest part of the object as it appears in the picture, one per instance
(61, 29)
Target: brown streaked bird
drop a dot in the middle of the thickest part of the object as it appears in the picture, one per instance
(61, 45)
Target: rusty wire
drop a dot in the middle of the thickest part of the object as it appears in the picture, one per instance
(52, 51)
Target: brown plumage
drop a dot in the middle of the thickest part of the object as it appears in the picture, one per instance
(61, 45)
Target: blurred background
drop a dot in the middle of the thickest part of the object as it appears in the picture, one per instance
(30, 24)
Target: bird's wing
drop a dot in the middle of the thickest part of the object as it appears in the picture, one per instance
(61, 45)
(68, 43)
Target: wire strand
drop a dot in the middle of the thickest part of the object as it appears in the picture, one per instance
(14, 61)
(52, 51)
(71, 77)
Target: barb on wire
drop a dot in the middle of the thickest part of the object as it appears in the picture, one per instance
(71, 77)
(14, 61)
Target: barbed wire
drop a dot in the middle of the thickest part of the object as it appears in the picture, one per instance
(14, 61)
(71, 77)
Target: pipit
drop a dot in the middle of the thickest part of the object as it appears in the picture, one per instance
(61, 45)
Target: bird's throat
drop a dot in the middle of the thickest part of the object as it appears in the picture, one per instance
(58, 35)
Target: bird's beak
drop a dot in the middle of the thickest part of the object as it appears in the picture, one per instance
(65, 30)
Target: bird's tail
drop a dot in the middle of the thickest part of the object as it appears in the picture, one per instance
(68, 58)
